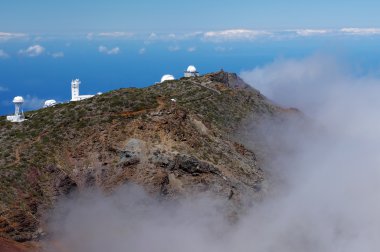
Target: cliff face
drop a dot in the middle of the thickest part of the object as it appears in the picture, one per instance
(174, 139)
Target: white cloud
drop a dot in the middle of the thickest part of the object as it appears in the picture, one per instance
(237, 34)
(312, 32)
(308, 83)
(58, 55)
(114, 35)
(249, 34)
(3, 54)
(191, 49)
(174, 48)
(361, 31)
(111, 51)
(172, 36)
(142, 51)
(32, 51)
(8, 35)
(191, 35)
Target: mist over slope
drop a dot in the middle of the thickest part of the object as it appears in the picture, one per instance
(324, 179)
(332, 173)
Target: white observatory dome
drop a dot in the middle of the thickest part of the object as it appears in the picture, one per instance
(18, 99)
(191, 69)
(167, 77)
(50, 103)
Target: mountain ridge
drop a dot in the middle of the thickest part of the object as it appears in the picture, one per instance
(173, 138)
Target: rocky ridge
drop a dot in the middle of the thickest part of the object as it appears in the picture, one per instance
(174, 139)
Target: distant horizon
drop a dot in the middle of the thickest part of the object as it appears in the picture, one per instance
(40, 69)
(226, 33)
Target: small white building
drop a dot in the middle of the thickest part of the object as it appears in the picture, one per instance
(19, 113)
(50, 103)
(75, 91)
(167, 77)
(191, 72)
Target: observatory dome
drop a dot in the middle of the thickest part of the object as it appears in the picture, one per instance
(191, 69)
(18, 99)
(50, 103)
(167, 77)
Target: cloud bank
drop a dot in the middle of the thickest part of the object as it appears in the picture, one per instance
(4, 36)
(307, 83)
(236, 34)
(112, 35)
(312, 32)
(361, 31)
(215, 36)
(331, 170)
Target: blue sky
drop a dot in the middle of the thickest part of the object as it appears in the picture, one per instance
(70, 16)
(44, 44)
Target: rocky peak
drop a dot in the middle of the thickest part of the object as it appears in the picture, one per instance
(231, 80)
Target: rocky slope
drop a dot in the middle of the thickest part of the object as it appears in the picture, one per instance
(7, 245)
(171, 147)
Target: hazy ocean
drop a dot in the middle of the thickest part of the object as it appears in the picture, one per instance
(140, 64)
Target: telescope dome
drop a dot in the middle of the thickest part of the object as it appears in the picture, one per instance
(191, 69)
(18, 99)
(167, 77)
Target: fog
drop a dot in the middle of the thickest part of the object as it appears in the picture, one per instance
(324, 190)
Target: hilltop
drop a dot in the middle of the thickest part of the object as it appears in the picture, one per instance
(174, 139)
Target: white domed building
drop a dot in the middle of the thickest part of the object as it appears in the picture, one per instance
(167, 77)
(19, 113)
(50, 103)
(191, 72)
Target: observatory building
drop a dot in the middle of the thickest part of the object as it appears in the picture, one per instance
(167, 77)
(75, 91)
(19, 113)
(50, 103)
(191, 72)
